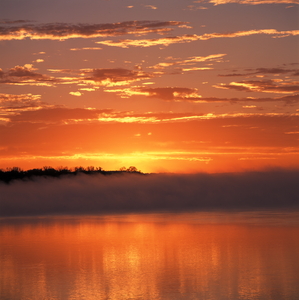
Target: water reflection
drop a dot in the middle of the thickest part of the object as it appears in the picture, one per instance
(154, 256)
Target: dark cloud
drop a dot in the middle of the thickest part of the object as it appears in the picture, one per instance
(187, 38)
(193, 95)
(62, 31)
(14, 21)
(117, 75)
(156, 192)
(272, 86)
(58, 114)
(251, 2)
(25, 75)
(19, 102)
(259, 71)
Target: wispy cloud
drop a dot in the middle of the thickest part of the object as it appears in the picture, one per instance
(114, 77)
(264, 71)
(194, 95)
(253, 2)
(25, 75)
(64, 31)
(86, 48)
(53, 115)
(166, 41)
(167, 93)
(14, 21)
(267, 86)
(11, 105)
(38, 112)
(11, 101)
(190, 61)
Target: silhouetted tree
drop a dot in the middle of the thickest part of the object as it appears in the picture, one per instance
(132, 169)
(14, 173)
(79, 169)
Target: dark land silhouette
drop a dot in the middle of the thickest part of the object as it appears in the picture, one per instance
(16, 173)
(93, 191)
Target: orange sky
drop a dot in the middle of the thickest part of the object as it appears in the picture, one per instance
(209, 85)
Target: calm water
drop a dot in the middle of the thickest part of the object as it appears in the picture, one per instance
(151, 256)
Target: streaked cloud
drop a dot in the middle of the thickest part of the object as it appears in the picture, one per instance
(25, 75)
(193, 95)
(14, 21)
(264, 71)
(39, 112)
(16, 101)
(64, 31)
(86, 48)
(62, 115)
(190, 61)
(167, 93)
(114, 77)
(150, 6)
(253, 2)
(166, 41)
(11, 105)
(268, 86)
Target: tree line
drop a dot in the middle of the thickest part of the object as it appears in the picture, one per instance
(16, 173)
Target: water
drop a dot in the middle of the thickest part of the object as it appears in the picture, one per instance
(240, 255)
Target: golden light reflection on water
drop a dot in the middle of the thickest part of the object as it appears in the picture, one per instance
(165, 256)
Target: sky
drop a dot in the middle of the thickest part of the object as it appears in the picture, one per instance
(167, 86)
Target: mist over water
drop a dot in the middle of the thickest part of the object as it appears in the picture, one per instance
(90, 194)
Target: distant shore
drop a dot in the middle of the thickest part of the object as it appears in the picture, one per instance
(16, 173)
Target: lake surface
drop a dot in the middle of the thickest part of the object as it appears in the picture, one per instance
(214, 255)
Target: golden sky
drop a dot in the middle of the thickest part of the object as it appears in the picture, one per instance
(166, 86)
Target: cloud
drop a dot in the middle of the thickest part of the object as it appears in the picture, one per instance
(262, 71)
(193, 60)
(78, 94)
(25, 75)
(86, 48)
(193, 95)
(64, 31)
(291, 99)
(150, 6)
(59, 115)
(115, 77)
(14, 21)
(253, 2)
(11, 105)
(62, 115)
(19, 101)
(86, 194)
(194, 7)
(268, 86)
(166, 93)
(166, 41)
